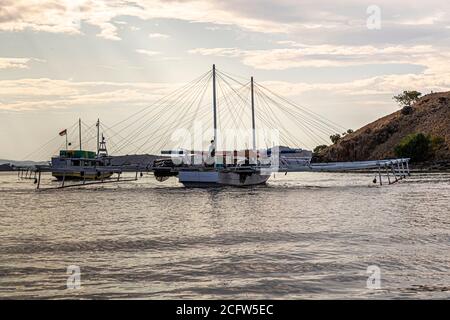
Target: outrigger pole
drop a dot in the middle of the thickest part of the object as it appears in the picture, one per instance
(253, 116)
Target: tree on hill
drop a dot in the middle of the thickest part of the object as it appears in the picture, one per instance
(319, 148)
(335, 137)
(406, 99)
(347, 132)
(416, 146)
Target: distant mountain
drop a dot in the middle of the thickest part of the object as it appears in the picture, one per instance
(138, 159)
(6, 167)
(377, 140)
(22, 163)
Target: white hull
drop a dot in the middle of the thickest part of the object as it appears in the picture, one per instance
(240, 179)
(215, 178)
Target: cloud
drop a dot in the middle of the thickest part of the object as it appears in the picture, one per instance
(287, 16)
(46, 15)
(158, 36)
(66, 16)
(380, 85)
(300, 55)
(220, 52)
(156, 55)
(17, 63)
(432, 19)
(435, 76)
(11, 63)
(43, 93)
(148, 52)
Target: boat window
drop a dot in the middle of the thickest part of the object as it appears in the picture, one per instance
(76, 163)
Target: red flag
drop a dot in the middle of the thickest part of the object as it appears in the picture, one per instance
(63, 133)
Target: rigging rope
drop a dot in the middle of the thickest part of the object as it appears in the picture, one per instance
(150, 128)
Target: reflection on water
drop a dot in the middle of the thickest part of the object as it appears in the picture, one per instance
(301, 236)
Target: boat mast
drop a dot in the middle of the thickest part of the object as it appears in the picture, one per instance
(214, 103)
(79, 130)
(253, 116)
(98, 136)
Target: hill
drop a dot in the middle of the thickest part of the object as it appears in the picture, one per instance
(22, 163)
(429, 115)
(6, 167)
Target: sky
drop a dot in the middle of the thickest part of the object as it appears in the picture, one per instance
(65, 59)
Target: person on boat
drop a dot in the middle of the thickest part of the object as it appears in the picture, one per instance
(212, 149)
(211, 153)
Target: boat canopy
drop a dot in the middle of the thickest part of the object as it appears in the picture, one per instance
(77, 154)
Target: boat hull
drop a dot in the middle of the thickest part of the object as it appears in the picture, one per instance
(79, 176)
(216, 178)
(242, 179)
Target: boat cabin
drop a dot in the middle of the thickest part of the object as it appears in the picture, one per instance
(79, 158)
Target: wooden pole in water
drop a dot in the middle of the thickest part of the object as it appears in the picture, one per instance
(403, 170)
(393, 172)
(399, 171)
(39, 179)
(379, 175)
(387, 173)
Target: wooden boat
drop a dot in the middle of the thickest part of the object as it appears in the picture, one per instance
(82, 164)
